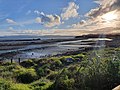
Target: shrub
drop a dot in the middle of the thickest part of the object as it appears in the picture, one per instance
(52, 76)
(42, 84)
(27, 64)
(21, 87)
(7, 63)
(6, 74)
(44, 70)
(26, 76)
(58, 63)
(62, 84)
(4, 85)
(41, 72)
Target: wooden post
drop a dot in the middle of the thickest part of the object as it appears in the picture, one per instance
(19, 60)
(11, 60)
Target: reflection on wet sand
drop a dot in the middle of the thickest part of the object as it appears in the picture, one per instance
(53, 48)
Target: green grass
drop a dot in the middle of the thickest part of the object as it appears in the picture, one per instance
(93, 70)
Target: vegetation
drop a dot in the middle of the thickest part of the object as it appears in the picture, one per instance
(93, 70)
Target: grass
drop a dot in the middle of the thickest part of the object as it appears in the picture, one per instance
(93, 70)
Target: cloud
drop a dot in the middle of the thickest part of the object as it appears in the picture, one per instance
(51, 20)
(95, 21)
(37, 12)
(10, 21)
(116, 5)
(79, 24)
(48, 20)
(38, 20)
(68, 32)
(10, 28)
(104, 7)
(70, 11)
(92, 24)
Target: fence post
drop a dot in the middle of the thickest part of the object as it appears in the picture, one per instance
(19, 60)
(11, 60)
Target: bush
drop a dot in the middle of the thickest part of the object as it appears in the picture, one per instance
(27, 64)
(58, 63)
(42, 84)
(44, 70)
(4, 85)
(26, 76)
(6, 74)
(52, 76)
(93, 73)
(9, 85)
(41, 72)
(20, 87)
(62, 84)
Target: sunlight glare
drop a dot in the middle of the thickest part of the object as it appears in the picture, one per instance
(109, 16)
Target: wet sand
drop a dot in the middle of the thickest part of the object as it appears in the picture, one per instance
(51, 47)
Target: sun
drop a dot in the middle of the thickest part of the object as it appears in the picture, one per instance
(110, 16)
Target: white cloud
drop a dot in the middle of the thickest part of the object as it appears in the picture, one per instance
(48, 20)
(10, 28)
(38, 20)
(38, 12)
(96, 23)
(105, 6)
(53, 20)
(10, 21)
(69, 32)
(92, 25)
(79, 24)
(70, 11)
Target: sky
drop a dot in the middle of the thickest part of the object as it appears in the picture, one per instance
(59, 17)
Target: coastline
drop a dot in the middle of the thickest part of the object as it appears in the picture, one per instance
(55, 47)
